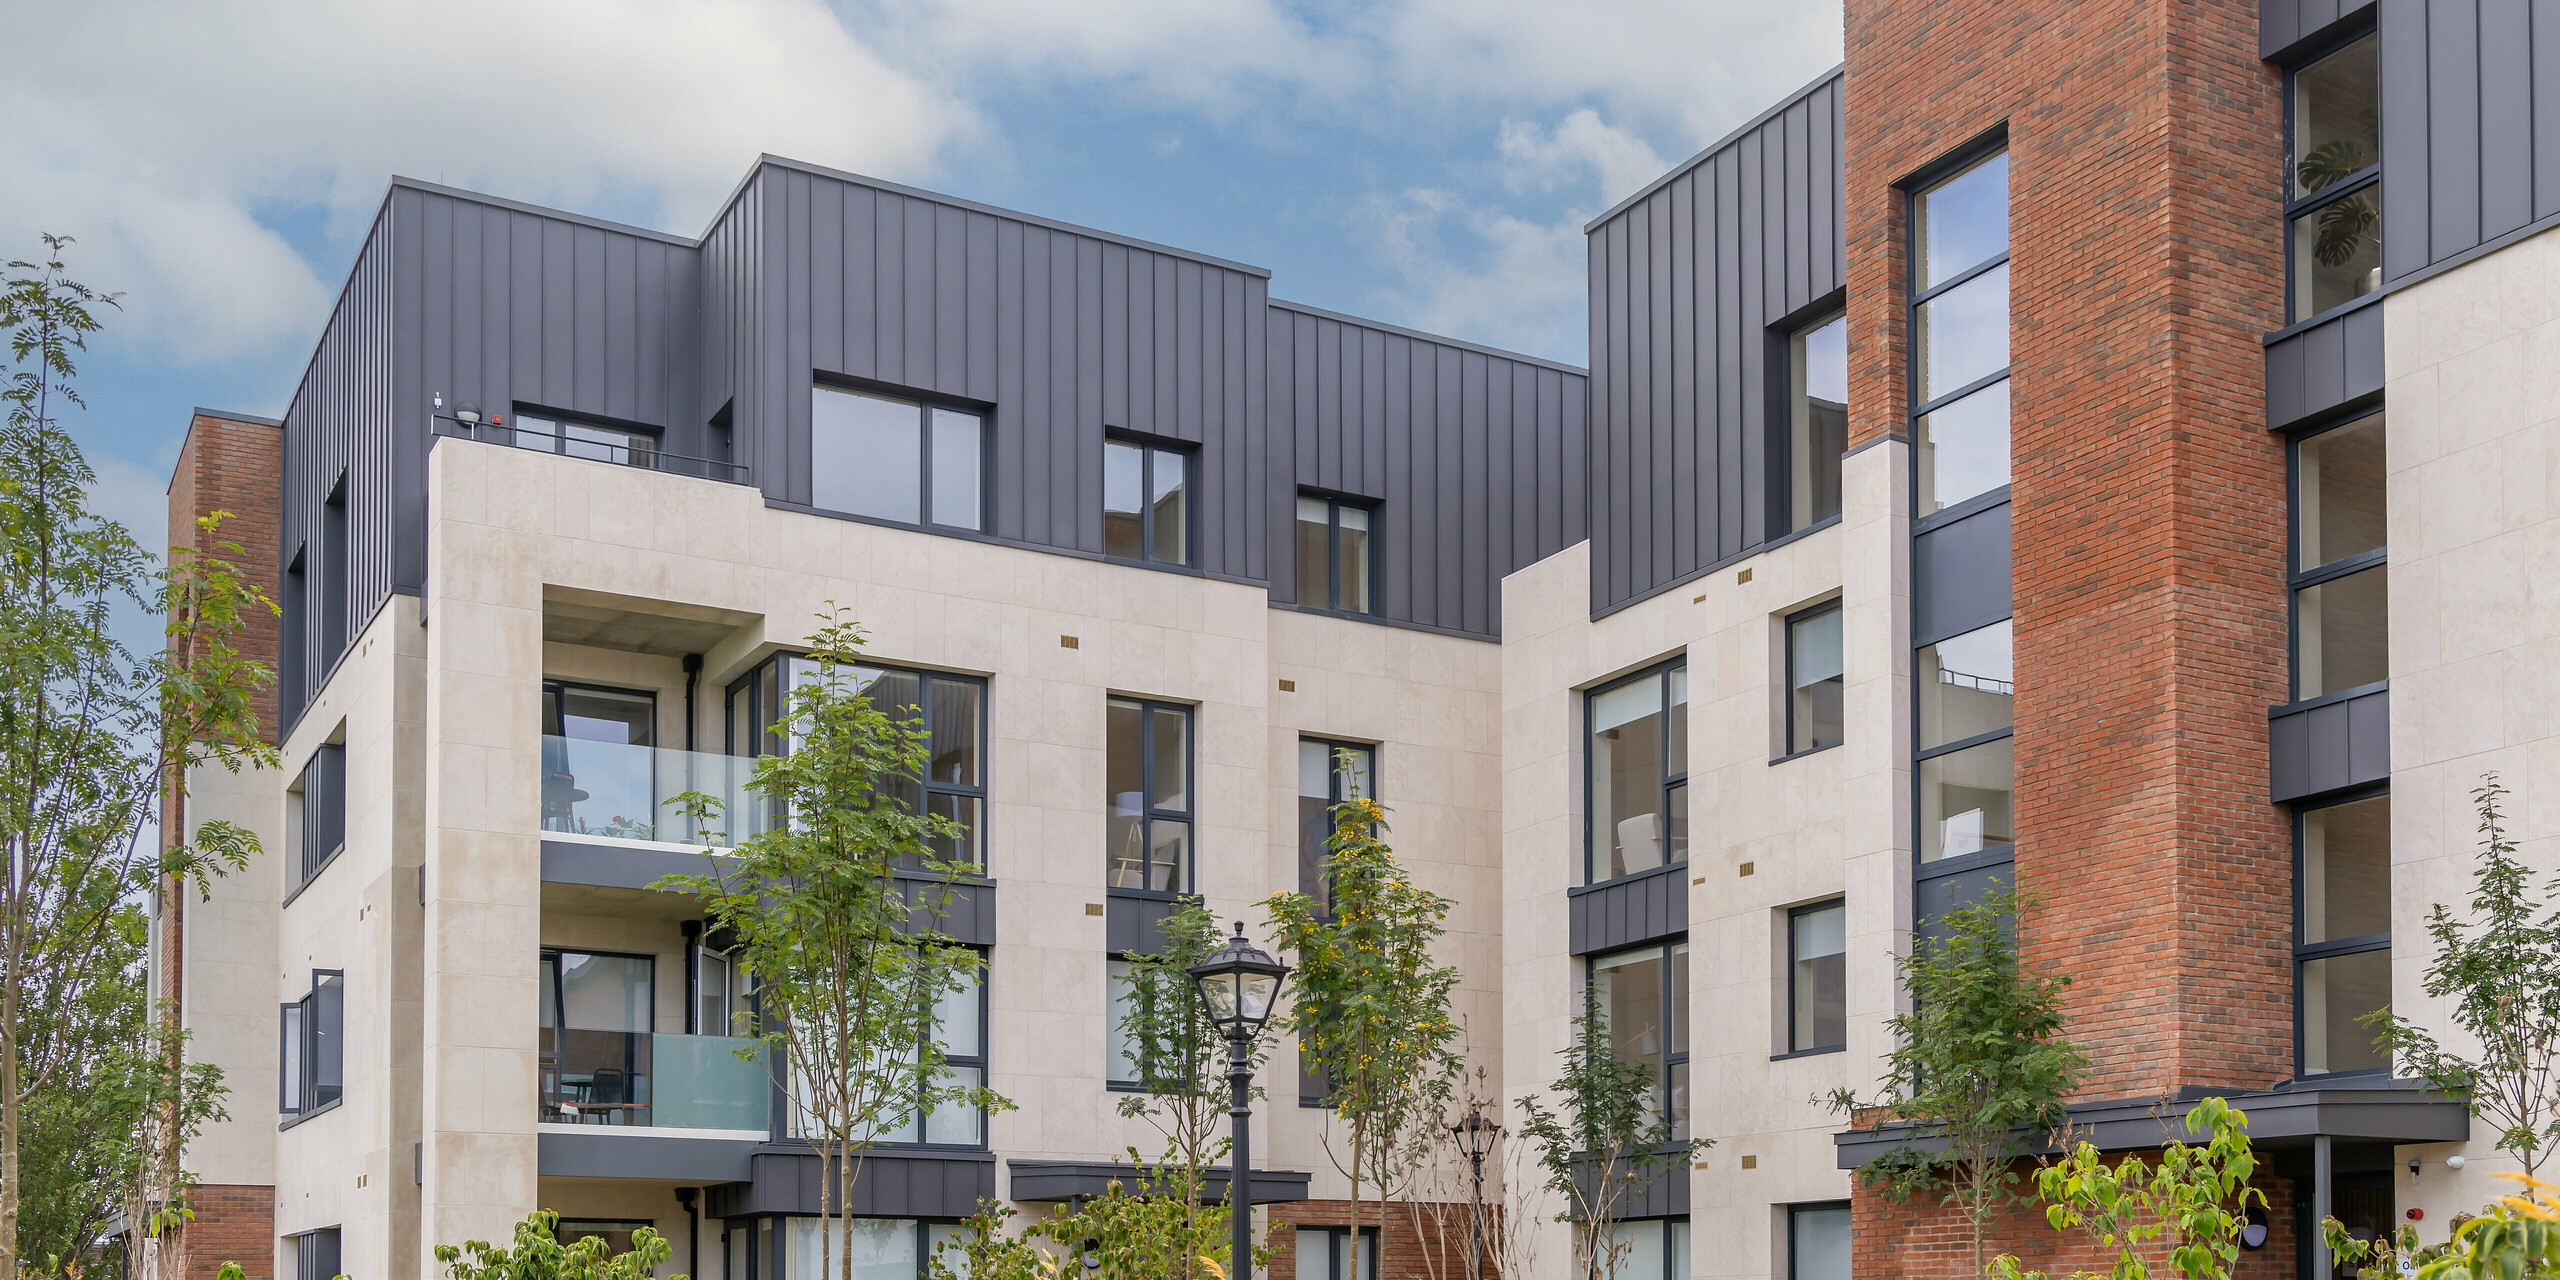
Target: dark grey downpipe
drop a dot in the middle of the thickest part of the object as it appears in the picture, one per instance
(687, 1196)
(692, 673)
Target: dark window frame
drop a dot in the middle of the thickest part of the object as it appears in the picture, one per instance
(1150, 812)
(1965, 863)
(303, 1087)
(1334, 505)
(1793, 915)
(318, 1254)
(2305, 953)
(556, 687)
(646, 460)
(1334, 1259)
(1185, 455)
(766, 1253)
(320, 842)
(1336, 788)
(1811, 1206)
(337, 578)
(1938, 173)
(1669, 1262)
(2361, 179)
(1833, 605)
(2297, 580)
(766, 686)
(1671, 1061)
(786, 1107)
(925, 403)
(1671, 781)
(293, 636)
(1780, 431)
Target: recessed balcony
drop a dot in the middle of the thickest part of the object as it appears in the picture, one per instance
(619, 791)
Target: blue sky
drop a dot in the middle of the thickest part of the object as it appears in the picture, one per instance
(1425, 162)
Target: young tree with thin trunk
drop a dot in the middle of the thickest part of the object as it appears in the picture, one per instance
(1606, 1139)
(1372, 1004)
(849, 971)
(93, 736)
(1176, 1061)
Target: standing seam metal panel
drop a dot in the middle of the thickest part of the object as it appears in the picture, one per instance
(2470, 124)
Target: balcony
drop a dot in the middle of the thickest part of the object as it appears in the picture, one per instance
(596, 443)
(654, 1080)
(617, 791)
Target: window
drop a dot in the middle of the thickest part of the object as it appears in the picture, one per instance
(624, 446)
(1639, 774)
(1329, 773)
(2333, 213)
(961, 1031)
(1120, 1055)
(1648, 1249)
(319, 801)
(313, 1060)
(1816, 710)
(1324, 1253)
(293, 639)
(315, 1255)
(334, 575)
(598, 1011)
(616, 1234)
(1818, 978)
(598, 768)
(1146, 510)
(718, 994)
(1960, 336)
(1965, 684)
(951, 710)
(1818, 1242)
(1817, 420)
(892, 459)
(2341, 587)
(1147, 792)
(2342, 933)
(1336, 556)
(1644, 994)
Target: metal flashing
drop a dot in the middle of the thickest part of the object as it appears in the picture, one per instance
(1739, 133)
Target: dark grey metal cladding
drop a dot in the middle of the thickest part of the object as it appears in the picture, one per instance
(1960, 576)
(1687, 278)
(618, 866)
(1048, 1180)
(605, 1153)
(1135, 926)
(2470, 126)
(2283, 24)
(893, 1184)
(2328, 745)
(1065, 333)
(1474, 457)
(2330, 364)
(1667, 1196)
(967, 909)
(1952, 889)
(1628, 912)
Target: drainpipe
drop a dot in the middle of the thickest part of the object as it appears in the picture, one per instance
(692, 673)
(692, 1231)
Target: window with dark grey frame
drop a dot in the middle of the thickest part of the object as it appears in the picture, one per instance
(1818, 1241)
(1966, 773)
(1337, 555)
(1817, 689)
(1814, 429)
(951, 709)
(546, 432)
(1650, 1249)
(596, 1034)
(334, 575)
(293, 638)
(2342, 932)
(962, 1030)
(1329, 773)
(1324, 1253)
(1146, 502)
(896, 458)
(312, 1055)
(784, 1247)
(1147, 793)
(1959, 330)
(319, 797)
(1644, 994)
(1818, 978)
(1636, 773)
(2340, 578)
(2333, 170)
(316, 1255)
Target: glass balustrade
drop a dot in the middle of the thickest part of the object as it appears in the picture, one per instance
(652, 1080)
(628, 792)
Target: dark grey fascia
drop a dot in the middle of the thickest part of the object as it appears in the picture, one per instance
(1648, 906)
(2371, 1109)
(636, 1153)
(889, 1183)
(618, 866)
(2328, 744)
(1047, 1180)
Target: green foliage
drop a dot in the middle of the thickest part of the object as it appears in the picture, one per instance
(1607, 1140)
(1371, 1004)
(1978, 1062)
(1181, 1074)
(2502, 974)
(2515, 1238)
(1152, 1227)
(2196, 1200)
(539, 1255)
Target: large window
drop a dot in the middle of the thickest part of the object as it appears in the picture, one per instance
(625, 446)
(1817, 420)
(1816, 688)
(1146, 507)
(2333, 213)
(1647, 1249)
(1960, 336)
(1818, 978)
(313, 1029)
(598, 1013)
(1818, 1241)
(1325, 1253)
(1336, 556)
(950, 709)
(794, 1248)
(1147, 792)
(1644, 994)
(1638, 756)
(1965, 685)
(961, 1032)
(2342, 934)
(892, 459)
(1329, 773)
(2341, 585)
(318, 799)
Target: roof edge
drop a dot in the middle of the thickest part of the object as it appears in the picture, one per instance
(226, 415)
(1718, 145)
(1443, 339)
(543, 211)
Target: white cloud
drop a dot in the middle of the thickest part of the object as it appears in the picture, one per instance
(158, 131)
(1510, 282)
(1580, 147)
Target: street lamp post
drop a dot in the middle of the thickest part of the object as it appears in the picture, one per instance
(1241, 985)
(1476, 1136)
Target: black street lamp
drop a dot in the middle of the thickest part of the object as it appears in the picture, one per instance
(1241, 985)
(1476, 1136)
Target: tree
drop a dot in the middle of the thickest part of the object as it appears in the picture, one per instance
(1181, 1076)
(1607, 1140)
(539, 1255)
(1978, 1062)
(1148, 1227)
(2515, 1238)
(91, 735)
(848, 974)
(1371, 1004)
(2196, 1200)
(2502, 972)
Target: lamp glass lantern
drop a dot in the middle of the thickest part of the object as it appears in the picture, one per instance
(1241, 985)
(1476, 1134)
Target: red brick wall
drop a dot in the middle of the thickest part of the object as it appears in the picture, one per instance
(1924, 1238)
(238, 467)
(232, 1224)
(1432, 1253)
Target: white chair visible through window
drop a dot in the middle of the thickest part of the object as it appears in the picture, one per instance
(1639, 843)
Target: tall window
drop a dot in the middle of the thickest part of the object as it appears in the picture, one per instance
(1649, 1249)
(1960, 337)
(1818, 978)
(779, 1247)
(1645, 996)
(315, 1255)
(1816, 692)
(1147, 791)
(1146, 508)
(2333, 212)
(2342, 936)
(313, 1058)
(892, 459)
(1818, 1241)
(1638, 756)
(1328, 773)
(336, 576)
(1325, 1253)
(625, 446)
(2341, 587)
(599, 769)
(598, 1013)
(950, 709)
(319, 803)
(1965, 685)
(1817, 420)
(1336, 557)
(962, 1036)
(293, 637)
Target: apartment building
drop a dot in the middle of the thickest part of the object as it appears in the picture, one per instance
(1982, 476)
